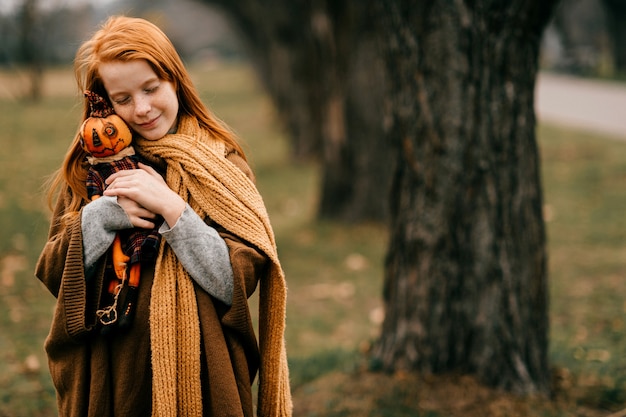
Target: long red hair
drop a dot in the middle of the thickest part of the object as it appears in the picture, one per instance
(123, 38)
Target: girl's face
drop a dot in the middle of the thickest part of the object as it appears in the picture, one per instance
(146, 102)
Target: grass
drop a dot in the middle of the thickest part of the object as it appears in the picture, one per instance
(335, 271)
(584, 178)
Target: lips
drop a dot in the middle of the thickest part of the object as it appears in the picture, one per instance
(150, 124)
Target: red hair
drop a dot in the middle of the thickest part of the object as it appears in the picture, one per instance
(126, 39)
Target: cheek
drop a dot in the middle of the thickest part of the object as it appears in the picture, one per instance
(170, 100)
(173, 106)
(125, 112)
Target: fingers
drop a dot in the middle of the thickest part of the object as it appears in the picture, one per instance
(130, 183)
(133, 208)
(143, 223)
(138, 215)
(149, 169)
(119, 174)
(135, 173)
(146, 188)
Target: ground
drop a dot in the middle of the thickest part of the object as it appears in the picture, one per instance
(363, 394)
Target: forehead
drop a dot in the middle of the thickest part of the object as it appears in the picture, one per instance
(120, 76)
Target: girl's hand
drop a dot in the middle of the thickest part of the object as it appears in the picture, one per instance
(139, 216)
(150, 194)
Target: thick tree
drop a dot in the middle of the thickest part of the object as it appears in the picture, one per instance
(465, 275)
(319, 62)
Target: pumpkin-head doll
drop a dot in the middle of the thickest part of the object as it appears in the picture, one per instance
(107, 140)
(104, 133)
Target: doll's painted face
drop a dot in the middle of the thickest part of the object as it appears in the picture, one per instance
(146, 102)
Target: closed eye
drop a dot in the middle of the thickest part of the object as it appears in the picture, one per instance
(122, 100)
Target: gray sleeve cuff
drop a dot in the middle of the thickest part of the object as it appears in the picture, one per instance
(203, 253)
(100, 220)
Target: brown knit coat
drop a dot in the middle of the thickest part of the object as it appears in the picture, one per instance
(102, 376)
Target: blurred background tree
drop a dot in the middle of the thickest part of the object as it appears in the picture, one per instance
(320, 63)
(587, 37)
(615, 11)
(30, 46)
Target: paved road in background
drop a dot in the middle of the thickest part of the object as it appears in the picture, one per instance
(596, 106)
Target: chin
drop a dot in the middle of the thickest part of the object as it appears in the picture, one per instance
(153, 135)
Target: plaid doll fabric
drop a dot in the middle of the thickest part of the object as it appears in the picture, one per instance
(140, 244)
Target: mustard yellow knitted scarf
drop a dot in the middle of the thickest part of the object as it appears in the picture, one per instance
(199, 172)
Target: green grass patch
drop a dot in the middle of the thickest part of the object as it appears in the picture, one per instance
(585, 195)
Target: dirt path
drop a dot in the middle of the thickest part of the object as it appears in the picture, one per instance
(596, 106)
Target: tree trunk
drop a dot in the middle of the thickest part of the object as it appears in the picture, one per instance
(30, 47)
(583, 37)
(465, 274)
(615, 15)
(310, 57)
(285, 56)
(356, 176)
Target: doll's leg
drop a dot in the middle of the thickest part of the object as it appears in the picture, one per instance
(113, 283)
(127, 312)
(119, 258)
(133, 275)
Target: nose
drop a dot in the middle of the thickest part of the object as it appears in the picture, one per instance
(142, 106)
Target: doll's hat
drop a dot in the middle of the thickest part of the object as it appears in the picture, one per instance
(98, 106)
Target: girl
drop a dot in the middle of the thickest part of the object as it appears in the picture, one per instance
(191, 349)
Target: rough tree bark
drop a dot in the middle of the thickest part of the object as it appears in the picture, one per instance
(319, 62)
(465, 275)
